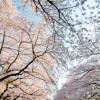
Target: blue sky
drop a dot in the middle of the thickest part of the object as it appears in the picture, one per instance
(27, 12)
